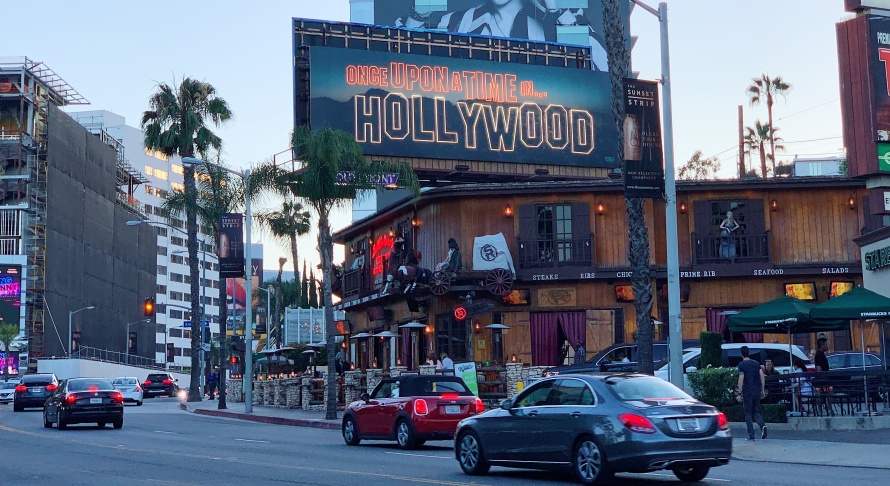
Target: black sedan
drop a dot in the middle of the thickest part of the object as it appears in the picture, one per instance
(84, 400)
(596, 426)
(33, 391)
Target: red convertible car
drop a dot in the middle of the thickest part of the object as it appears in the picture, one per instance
(410, 409)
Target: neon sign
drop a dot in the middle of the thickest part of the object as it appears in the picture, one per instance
(381, 248)
(9, 287)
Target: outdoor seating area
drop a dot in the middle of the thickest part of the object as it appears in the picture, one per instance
(828, 394)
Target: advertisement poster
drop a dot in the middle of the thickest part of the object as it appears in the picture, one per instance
(231, 245)
(643, 159)
(467, 372)
(10, 294)
(236, 296)
(421, 106)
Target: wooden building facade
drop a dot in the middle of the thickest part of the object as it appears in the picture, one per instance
(568, 243)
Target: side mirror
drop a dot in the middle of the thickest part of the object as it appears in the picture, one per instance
(365, 397)
(507, 405)
(691, 369)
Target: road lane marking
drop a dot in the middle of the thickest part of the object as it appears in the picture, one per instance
(251, 440)
(416, 455)
(165, 432)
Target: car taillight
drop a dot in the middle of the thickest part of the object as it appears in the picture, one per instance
(70, 399)
(168, 382)
(637, 423)
(21, 388)
(138, 389)
(450, 396)
(480, 407)
(722, 421)
(51, 387)
(420, 407)
(147, 382)
(116, 397)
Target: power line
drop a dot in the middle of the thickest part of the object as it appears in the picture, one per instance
(808, 109)
(813, 139)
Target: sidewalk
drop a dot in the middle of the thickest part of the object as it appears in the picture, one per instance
(845, 450)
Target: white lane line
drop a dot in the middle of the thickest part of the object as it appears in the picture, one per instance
(418, 455)
(251, 440)
(672, 476)
(165, 432)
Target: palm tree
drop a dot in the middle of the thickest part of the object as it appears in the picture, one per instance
(637, 231)
(8, 333)
(286, 225)
(217, 194)
(279, 334)
(324, 153)
(757, 138)
(175, 124)
(766, 89)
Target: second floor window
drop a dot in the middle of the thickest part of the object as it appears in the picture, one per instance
(555, 234)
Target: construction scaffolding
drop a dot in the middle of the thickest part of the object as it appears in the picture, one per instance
(27, 89)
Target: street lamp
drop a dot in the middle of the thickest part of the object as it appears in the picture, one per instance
(675, 340)
(247, 383)
(127, 336)
(269, 290)
(70, 315)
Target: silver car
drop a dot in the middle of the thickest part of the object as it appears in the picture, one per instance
(7, 391)
(130, 388)
(596, 426)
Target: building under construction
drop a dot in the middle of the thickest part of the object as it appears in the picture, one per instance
(70, 264)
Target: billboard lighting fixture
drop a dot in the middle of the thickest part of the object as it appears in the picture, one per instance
(541, 172)
(462, 168)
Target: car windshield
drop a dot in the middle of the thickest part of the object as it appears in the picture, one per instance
(37, 380)
(87, 385)
(124, 381)
(7, 385)
(637, 388)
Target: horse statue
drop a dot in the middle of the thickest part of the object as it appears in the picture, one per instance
(404, 269)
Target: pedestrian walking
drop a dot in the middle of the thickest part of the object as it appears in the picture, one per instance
(752, 389)
(211, 383)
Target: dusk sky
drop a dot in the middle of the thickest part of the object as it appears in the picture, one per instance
(114, 53)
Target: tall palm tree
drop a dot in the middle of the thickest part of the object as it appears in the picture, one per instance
(757, 139)
(637, 231)
(176, 124)
(216, 194)
(766, 89)
(279, 334)
(286, 225)
(8, 333)
(324, 153)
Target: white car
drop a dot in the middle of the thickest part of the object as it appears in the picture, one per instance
(130, 388)
(7, 391)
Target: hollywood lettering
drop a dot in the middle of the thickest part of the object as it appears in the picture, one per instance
(490, 106)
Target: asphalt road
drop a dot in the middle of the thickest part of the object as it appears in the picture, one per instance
(162, 445)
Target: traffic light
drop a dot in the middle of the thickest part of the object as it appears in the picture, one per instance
(148, 309)
(233, 360)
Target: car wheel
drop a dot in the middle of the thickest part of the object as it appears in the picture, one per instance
(588, 462)
(118, 423)
(350, 432)
(405, 435)
(691, 474)
(46, 423)
(60, 422)
(139, 403)
(469, 455)
(17, 408)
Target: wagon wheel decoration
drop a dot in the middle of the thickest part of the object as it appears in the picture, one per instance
(499, 281)
(439, 283)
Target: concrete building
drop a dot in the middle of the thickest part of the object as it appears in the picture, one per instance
(72, 266)
(818, 166)
(173, 292)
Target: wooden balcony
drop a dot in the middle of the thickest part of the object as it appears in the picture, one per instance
(709, 250)
(553, 253)
(356, 282)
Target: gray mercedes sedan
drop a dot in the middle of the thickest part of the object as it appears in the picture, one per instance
(596, 426)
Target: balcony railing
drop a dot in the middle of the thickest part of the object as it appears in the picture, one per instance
(708, 249)
(356, 282)
(552, 253)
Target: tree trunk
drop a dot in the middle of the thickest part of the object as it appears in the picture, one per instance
(326, 249)
(191, 223)
(763, 159)
(772, 142)
(223, 333)
(277, 312)
(294, 251)
(637, 232)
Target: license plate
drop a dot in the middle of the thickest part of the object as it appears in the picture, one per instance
(687, 425)
(452, 409)
(35, 390)
(95, 400)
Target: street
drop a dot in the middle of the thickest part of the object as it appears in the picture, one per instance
(161, 444)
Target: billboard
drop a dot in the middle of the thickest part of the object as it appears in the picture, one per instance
(231, 245)
(10, 294)
(236, 296)
(436, 107)
(643, 159)
(577, 22)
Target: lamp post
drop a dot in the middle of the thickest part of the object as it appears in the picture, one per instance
(167, 331)
(675, 326)
(70, 315)
(269, 291)
(203, 298)
(127, 336)
(247, 382)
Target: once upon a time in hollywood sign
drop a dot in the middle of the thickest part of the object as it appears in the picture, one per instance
(433, 107)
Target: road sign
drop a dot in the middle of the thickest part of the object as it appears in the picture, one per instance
(188, 324)
(206, 347)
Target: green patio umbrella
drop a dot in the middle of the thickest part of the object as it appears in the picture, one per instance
(861, 304)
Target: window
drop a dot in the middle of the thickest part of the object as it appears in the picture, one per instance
(387, 389)
(177, 259)
(536, 396)
(554, 235)
(175, 333)
(161, 289)
(555, 232)
(177, 187)
(451, 337)
(162, 232)
(570, 392)
(162, 250)
(161, 308)
(640, 388)
(177, 241)
(161, 174)
(162, 270)
(161, 328)
(176, 168)
(176, 296)
(175, 314)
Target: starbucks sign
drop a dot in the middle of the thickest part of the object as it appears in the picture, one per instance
(877, 259)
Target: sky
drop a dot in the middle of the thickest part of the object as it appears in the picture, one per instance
(115, 53)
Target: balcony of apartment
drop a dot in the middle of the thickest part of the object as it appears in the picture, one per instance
(555, 253)
(730, 250)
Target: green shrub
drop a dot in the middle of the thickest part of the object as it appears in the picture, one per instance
(715, 386)
(773, 413)
(711, 349)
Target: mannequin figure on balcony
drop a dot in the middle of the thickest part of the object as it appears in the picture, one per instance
(453, 262)
(728, 227)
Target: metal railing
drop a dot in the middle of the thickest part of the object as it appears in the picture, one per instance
(87, 352)
(356, 282)
(556, 252)
(730, 249)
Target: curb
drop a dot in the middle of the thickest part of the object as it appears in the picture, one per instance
(317, 424)
(802, 463)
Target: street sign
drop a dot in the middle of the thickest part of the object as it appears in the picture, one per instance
(206, 347)
(188, 324)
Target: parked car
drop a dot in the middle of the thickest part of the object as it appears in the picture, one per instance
(129, 388)
(596, 426)
(410, 409)
(84, 400)
(160, 384)
(852, 361)
(33, 390)
(732, 356)
(7, 391)
(611, 358)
